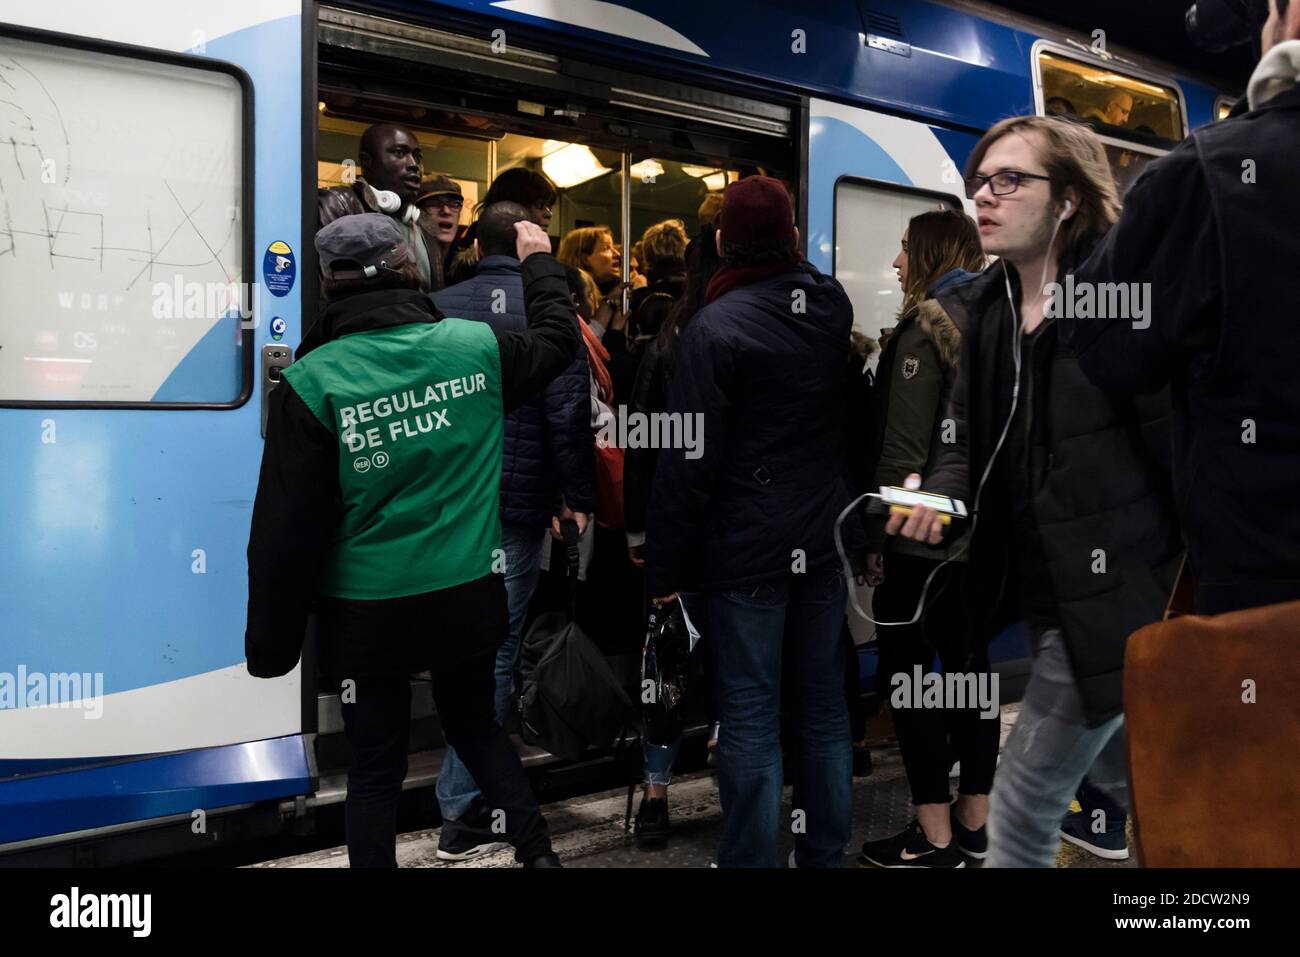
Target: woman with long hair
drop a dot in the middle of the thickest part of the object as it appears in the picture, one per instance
(917, 369)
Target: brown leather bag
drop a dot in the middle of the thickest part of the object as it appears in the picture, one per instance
(1212, 706)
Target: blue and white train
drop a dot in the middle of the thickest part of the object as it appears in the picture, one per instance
(158, 170)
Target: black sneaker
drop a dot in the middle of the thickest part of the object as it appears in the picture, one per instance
(652, 824)
(1110, 845)
(861, 762)
(545, 860)
(974, 844)
(468, 836)
(911, 849)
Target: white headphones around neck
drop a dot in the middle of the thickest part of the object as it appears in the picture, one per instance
(386, 201)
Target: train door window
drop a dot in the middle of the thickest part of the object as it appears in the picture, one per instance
(870, 219)
(1223, 106)
(1137, 117)
(124, 244)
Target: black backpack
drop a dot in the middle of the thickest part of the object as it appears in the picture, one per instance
(570, 698)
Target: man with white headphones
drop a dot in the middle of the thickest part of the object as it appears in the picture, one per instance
(1073, 528)
(393, 164)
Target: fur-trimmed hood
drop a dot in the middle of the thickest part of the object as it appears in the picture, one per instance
(942, 332)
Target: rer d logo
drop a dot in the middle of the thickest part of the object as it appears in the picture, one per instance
(363, 464)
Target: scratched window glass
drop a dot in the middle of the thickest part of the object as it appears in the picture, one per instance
(121, 229)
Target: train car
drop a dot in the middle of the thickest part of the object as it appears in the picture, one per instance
(157, 207)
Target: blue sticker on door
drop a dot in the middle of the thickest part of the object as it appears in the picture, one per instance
(279, 268)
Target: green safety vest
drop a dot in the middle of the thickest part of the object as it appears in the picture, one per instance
(417, 412)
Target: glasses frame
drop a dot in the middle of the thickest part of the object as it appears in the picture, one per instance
(983, 181)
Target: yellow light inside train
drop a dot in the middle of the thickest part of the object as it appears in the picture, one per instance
(699, 172)
(647, 170)
(715, 181)
(568, 164)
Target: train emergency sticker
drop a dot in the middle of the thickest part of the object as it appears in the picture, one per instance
(279, 268)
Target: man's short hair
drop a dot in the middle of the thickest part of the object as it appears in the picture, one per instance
(495, 230)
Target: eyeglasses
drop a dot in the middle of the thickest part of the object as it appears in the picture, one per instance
(542, 206)
(452, 203)
(1001, 183)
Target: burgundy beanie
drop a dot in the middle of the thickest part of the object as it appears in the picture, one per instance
(756, 211)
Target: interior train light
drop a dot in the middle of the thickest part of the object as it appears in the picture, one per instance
(647, 170)
(568, 164)
(716, 181)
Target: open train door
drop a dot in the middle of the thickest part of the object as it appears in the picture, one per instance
(138, 295)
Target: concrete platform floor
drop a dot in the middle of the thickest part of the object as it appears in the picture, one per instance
(588, 831)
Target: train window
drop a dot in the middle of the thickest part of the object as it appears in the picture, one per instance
(1223, 106)
(1111, 102)
(124, 248)
(869, 223)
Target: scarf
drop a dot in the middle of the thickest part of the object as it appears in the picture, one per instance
(597, 356)
(729, 277)
(1277, 72)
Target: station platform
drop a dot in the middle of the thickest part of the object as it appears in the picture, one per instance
(588, 831)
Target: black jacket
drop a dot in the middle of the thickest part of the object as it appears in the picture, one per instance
(548, 444)
(298, 499)
(1101, 494)
(352, 199)
(769, 382)
(1214, 226)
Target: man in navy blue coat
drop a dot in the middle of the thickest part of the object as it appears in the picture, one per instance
(746, 519)
(548, 473)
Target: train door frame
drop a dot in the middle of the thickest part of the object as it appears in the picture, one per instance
(782, 106)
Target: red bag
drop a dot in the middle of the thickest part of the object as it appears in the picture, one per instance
(609, 486)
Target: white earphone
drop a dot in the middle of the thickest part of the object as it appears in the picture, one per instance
(1066, 210)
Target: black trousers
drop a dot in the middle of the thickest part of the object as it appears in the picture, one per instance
(929, 738)
(373, 648)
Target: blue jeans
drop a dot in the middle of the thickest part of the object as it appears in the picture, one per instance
(522, 545)
(747, 628)
(1047, 754)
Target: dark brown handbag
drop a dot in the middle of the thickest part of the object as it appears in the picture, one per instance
(1212, 705)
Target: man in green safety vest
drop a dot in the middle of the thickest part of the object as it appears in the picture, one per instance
(378, 508)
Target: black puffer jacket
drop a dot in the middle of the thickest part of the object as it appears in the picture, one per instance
(769, 381)
(548, 449)
(1099, 474)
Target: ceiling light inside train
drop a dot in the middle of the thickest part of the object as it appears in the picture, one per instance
(647, 170)
(568, 164)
